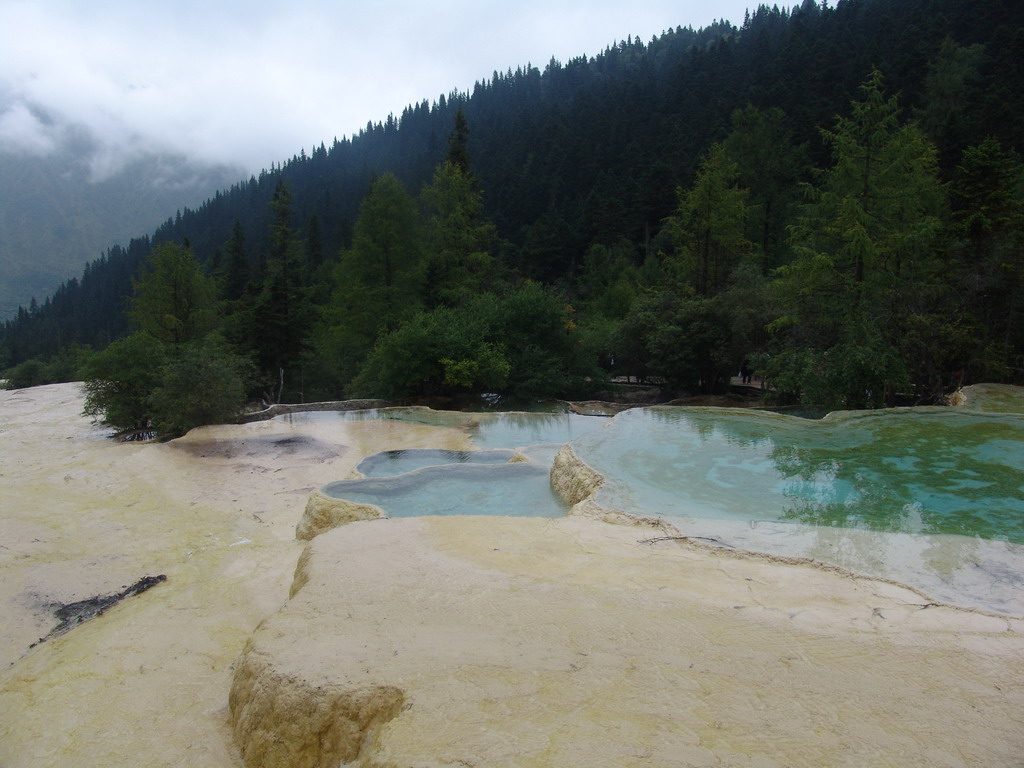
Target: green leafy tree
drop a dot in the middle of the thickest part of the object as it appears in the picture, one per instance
(174, 301)
(29, 373)
(445, 352)
(684, 342)
(525, 345)
(548, 354)
(202, 382)
(119, 381)
(866, 265)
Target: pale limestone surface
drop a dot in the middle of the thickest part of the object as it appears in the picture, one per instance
(146, 683)
(571, 642)
(499, 641)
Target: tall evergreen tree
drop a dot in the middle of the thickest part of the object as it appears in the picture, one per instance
(378, 281)
(459, 239)
(174, 301)
(988, 199)
(709, 226)
(282, 314)
(769, 163)
(863, 286)
(234, 271)
(458, 144)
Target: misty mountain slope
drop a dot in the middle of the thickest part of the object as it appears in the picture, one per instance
(593, 151)
(54, 218)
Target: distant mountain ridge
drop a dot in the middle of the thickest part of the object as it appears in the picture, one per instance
(54, 218)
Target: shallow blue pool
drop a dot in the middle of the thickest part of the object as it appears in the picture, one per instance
(463, 488)
(932, 471)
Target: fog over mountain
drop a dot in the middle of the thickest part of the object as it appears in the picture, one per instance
(115, 114)
(55, 215)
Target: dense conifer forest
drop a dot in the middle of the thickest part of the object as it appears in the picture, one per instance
(833, 196)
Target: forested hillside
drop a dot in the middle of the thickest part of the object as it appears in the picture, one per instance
(831, 194)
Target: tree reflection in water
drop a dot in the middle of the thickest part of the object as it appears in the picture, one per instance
(910, 470)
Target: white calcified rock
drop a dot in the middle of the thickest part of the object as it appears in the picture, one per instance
(568, 642)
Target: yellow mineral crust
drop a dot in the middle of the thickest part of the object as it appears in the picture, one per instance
(324, 512)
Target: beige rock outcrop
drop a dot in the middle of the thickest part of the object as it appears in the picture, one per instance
(573, 480)
(324, 512)
(577, 483)
(288, 722)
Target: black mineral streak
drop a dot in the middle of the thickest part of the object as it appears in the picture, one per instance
(71, 615)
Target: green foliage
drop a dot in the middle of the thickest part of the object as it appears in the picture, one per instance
(524, 344)
(442, 352)
(201, 383)
(683, 341)
(378, 281)
(458, 145)
(863, 370)
(952, 80)
(233, 271)
(120, 379)
(871, 277)
(866, 263)
(988, 220)
(174, 301)
(709, 227)
(31, 373)
(547, 354)
(459, 239)
(140, 383)
(769, 163)
(608, 282)
(281, 312)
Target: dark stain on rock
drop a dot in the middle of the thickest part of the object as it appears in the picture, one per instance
(70, 615)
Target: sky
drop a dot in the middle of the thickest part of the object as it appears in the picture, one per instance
(250, 83)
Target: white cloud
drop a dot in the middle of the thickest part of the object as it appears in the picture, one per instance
(22, 130)
(250, 83)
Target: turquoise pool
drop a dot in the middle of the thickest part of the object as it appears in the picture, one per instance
(460, 488)
(929, 497)
(917, 471)
(408, 483)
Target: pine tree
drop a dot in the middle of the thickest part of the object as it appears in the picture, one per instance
(234, 272)
(282, 314)
(379, 280)
(174, 301)
(988, 197)
(459, 239)
(862, 289)
(458, 144)
(708, 227)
